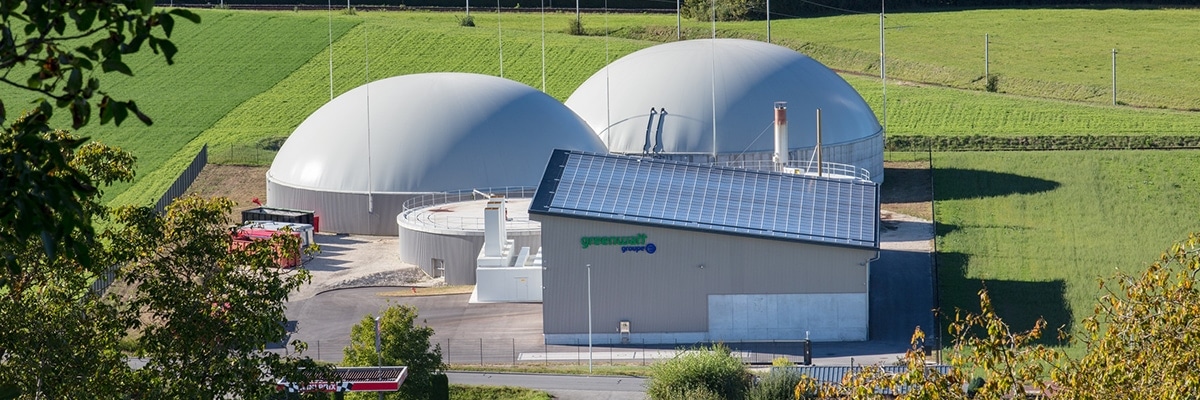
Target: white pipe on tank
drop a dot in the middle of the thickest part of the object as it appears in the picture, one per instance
(820, 162)
(781, 134)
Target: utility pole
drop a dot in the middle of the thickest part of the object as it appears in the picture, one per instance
(1114, 85)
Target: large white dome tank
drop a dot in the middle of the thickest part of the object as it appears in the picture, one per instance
(747, 77)
(359, 157)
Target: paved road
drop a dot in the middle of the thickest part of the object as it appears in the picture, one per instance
(567, 387)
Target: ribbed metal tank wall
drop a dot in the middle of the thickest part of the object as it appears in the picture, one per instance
(342, 212)
(457, 252)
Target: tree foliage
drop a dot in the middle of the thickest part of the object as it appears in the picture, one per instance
(1142, 341)
(725, 10)
(1143, 338)
(200, 312)
(402, 343)
(62, 45)
(205, 312)
(54, 336)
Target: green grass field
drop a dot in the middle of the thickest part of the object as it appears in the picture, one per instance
(228, 58)
(1039, 228)
(1056, 53)
(272, 103)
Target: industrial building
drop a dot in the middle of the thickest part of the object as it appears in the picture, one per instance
(659, 251)
(668, 100)
(665, 191)
(360, 157)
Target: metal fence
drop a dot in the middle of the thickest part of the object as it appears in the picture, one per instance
(510, 351)
(181, 185)
(241, 155)
(184, 181)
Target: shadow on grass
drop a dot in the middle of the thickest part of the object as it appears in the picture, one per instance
(958, 184)
(905, 185)
(1018, 303)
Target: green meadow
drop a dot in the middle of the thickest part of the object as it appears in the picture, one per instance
(1037, 228)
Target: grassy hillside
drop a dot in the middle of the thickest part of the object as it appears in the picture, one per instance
(1035, 227)
(932, 110)
(271, 103)
(1038, 228)
(223, 61)
(394, 44)
(1057, 53)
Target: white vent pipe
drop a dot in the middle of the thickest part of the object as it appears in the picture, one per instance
(781, 134)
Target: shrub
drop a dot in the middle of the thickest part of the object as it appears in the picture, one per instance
(993, 83)
(779, 384)
(703, 372)
(781, 361)
(575, 27)
(726, 10)
(467, 21)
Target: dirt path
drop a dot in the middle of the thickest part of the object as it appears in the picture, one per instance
(238, 183)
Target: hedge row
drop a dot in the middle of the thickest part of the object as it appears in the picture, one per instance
(1035, 143)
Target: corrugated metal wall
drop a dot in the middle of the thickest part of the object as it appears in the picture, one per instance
(457, 252)
(342, 212)
(667, 291)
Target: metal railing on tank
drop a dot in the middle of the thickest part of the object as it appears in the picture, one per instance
(828, 169)
(417, 210)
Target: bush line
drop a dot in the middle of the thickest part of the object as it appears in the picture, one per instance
(1037, 143)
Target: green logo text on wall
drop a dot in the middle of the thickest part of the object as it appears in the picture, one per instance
(636, 243)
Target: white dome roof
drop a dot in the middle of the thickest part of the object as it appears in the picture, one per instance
(750, 77)
(430, 133)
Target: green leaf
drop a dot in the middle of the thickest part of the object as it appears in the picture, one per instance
(168, 23)
(74, 80)
(140, 116)
(106, 113)
(87, 52)
(81, 112)
(146, 6)
(119, 112)
(9, 391)
(186, 14)
(85, 19)
(112, 64)
(168, 50)
(3, 112)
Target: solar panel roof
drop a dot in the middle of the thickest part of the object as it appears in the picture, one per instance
(616, 188)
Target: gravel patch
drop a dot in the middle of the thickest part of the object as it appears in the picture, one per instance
(348, 261)
(905, 232)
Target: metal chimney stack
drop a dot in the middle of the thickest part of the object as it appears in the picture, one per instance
(494, 234)
(781, 134)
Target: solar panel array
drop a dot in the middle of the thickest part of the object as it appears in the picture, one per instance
(724, 200)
